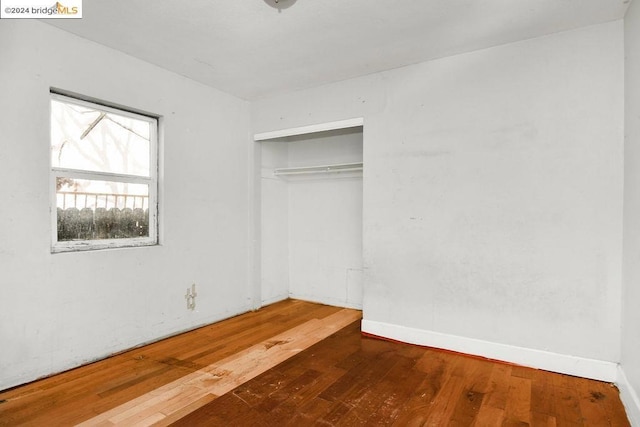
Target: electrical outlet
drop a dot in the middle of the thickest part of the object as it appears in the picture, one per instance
(190, 296)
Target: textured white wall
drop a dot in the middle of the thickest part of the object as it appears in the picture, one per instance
(58, 311)
(492, 190)
(631, 290)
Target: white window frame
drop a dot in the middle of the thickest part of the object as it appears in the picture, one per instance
(151, 181)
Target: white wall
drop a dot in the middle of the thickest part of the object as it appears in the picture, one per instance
(274, 223)
(492, 193)
(630, 386)
(311, 238)
(58, 311)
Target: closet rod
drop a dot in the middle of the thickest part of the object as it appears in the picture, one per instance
(337, 168)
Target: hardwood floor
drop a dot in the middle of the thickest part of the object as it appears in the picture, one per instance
(297, 363)
(351, 380)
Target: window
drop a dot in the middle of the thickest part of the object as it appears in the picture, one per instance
(104, 176)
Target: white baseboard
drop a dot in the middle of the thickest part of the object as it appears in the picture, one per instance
(629, 398)
(555, 362)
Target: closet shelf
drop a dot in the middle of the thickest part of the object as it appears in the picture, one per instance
(322, 169)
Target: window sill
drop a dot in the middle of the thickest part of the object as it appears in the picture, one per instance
(95, 245)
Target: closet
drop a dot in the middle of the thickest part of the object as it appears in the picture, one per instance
(310, 215)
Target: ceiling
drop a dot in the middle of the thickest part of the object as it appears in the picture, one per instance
(253, 51)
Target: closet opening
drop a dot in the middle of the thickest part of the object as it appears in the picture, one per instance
(309, 214)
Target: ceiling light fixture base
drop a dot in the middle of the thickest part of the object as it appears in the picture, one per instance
(280, 4)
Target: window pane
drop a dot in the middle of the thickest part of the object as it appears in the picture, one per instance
(89, 139)
(92, 210)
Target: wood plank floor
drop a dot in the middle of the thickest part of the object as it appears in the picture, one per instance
(344, 379)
